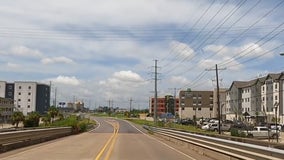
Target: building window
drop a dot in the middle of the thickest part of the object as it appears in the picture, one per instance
(199, 109)
(19, 100)
(29, 100)
(29, 106)
(29, 93)
(276, 98)
(275, 86)
(19, 106)
(211, 109)
(19, 93)
(20, 87)
(30, 87)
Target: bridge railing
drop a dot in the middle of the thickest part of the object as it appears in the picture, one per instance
(16, 139)
(219, 148)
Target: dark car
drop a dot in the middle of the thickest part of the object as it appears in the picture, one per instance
(187, 122)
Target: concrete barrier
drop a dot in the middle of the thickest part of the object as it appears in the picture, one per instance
(17, 139)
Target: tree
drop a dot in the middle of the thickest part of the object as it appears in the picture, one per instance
(53, 112)
(17, 117)
(46, 119)
(32, 120)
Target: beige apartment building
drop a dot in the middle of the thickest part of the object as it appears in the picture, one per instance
(196, 104)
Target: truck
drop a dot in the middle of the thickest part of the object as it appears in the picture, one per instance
(262, 132)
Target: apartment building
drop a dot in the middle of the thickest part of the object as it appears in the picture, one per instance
(6, 109)
(257, 100)
(196, 104)
(272, 97)
(167, 104)
(27, 96)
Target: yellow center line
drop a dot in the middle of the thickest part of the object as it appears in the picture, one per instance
(111, 140)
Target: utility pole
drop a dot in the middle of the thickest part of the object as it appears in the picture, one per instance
(218, 97)
(50, 99)
(55, 94)
(156, 93)
(130, 104)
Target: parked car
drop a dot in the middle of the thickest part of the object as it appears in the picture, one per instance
(262, 132)
(223, 127)
(206, 126)
(187, 122)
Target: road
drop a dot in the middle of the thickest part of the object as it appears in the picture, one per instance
(113, 139)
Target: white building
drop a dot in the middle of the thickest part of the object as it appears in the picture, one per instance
(2, 89)
(258, 100)
(27, 96)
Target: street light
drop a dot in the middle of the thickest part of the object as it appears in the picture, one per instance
(282, 54)
(276, 127)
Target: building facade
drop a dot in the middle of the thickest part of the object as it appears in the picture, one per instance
(6, 109)
(27, 96)
(258, 100)
(167, 104)
(196, 104)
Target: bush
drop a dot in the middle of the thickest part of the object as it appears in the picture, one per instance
(32, 120)
(74, 122)
(236, 132)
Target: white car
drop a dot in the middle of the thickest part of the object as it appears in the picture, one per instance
(206, 126)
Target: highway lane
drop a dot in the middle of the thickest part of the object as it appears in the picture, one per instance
(113, 139)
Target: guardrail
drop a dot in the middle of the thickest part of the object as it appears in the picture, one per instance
(16, 139)
(220, 148)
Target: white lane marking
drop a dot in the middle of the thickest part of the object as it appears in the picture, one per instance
(99, 124)
(161, 142)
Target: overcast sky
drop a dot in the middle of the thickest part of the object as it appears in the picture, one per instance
(101, 50)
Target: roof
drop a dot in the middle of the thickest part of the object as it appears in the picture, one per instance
(243, 84)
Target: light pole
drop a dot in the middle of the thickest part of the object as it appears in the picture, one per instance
(276, 127)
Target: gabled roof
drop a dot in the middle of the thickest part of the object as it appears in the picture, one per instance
(274, 76)
(243, 84)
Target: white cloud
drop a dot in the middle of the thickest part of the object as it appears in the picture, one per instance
(13, 65)
(254, 50)
(25, 52)
(122, 84)
(56, 60)
(178, 80)
(66, 80)
(128, 76)
(182, 50)
(220, 50)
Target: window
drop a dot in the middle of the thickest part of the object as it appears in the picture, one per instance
(29, 106)
(20, 87)
(30, 87)
(211, 109)
(29, 100)
(199, 109)
(276, 98)
(19, 100)
(29, 93)
(275, 86)
(19, 106)
(19, 93)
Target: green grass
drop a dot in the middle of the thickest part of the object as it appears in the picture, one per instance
(78, 125)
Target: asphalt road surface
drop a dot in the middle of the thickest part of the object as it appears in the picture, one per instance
(113, 139)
